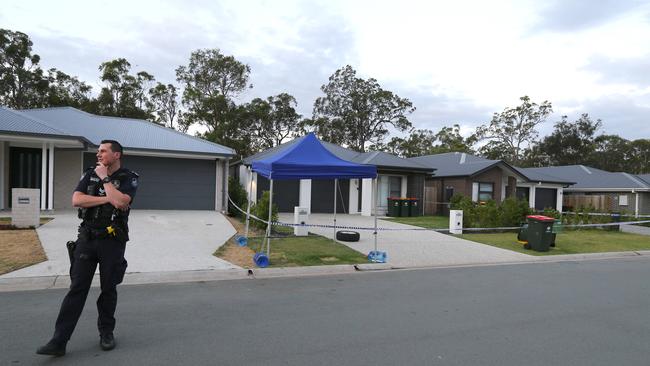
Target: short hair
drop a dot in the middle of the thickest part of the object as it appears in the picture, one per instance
(115, 146)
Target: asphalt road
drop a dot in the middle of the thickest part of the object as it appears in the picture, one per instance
(570, 313)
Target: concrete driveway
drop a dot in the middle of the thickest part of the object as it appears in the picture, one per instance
(413, 248)
(160, 241)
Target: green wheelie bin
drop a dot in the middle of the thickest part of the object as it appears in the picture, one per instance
(404, 207)
(393, 207)
(540, 232)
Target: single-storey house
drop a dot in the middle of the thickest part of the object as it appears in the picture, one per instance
(49, 149)
(485, 179)
(397, 177)
(605, 191)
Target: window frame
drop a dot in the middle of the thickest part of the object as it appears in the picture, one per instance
(491, 193)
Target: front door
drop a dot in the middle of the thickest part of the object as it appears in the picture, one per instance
(24, 168)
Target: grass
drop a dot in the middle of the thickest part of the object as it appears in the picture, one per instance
(288, 250)
(7, 220)
(429, 222)
(570, 242)
(18, 249)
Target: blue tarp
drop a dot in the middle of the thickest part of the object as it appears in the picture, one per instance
(309, 159)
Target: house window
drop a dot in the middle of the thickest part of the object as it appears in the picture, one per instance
(622, 200)
(395, 187)
(485, 191)
(523, 193)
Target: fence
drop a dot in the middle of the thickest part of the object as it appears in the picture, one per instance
(600, 202)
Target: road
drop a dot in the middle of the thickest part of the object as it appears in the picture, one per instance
(569, 313)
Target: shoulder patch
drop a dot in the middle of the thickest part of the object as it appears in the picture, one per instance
(134, 182)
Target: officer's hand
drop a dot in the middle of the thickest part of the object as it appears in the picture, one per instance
(101, 170)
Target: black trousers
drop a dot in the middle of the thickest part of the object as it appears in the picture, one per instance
(109, 254)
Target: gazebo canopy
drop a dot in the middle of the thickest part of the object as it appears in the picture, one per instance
(309, 159)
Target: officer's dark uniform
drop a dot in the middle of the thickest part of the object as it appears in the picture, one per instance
(102, 239)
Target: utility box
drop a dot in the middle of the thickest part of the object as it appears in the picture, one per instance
(300, 217)
(25, 207)
(456, 222)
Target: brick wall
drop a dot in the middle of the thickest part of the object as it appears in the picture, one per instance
(494, 176)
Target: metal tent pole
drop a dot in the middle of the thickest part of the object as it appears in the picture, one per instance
(335, 184)
(268, 227)
(248, 207)
(375, 196)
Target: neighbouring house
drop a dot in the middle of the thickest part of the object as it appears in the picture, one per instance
(397, 177)
(49, 149)
(603, 190)
(485, 179)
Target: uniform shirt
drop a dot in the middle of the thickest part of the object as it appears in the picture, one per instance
(123, 179)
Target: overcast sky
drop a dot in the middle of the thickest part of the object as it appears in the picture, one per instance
(457, 61)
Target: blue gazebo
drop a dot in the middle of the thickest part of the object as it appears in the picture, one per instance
(309, 159)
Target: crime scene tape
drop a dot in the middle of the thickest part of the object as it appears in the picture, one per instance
(278, 223)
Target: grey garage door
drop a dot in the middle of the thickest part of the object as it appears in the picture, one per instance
(286, 193)
(170, 184)
(322, 196)
(545, 197)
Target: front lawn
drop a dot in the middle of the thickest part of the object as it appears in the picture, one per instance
(19, 249)
(288, 250)
(570, 242)
(429, 222)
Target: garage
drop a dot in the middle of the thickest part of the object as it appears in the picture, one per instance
(286, 193)
(170, 183)
(545, 198)
(322, 196)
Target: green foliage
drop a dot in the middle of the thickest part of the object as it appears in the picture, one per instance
(163, 102)
(23, 84)
(570, 143)
(510, 212)
(211, 81)
(512, 130)
(355, 111)
(426, 142)
(261, 210)
(124, 94)
(272, 121)
(237, 194)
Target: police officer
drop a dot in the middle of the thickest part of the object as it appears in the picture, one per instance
(103, 195)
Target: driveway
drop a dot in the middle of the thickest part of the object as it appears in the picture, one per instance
(412, 248)
(160, 241)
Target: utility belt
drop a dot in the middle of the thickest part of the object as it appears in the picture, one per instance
(112, 231)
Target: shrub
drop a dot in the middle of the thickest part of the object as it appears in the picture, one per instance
(261, 210)
(238, 195)
(510, 212)
(514, 211)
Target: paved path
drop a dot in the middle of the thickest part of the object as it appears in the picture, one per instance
(571, 313)
(413, 248)
(160, 241)
(635, 229)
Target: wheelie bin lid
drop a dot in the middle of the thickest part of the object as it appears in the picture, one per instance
(540, 218)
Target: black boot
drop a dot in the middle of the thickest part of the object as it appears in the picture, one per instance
(52, 348)
(107, 341)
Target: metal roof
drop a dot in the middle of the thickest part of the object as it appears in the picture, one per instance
(131, 133)
(457, 164)
(588, 178)
(377, 158)
(17, 122)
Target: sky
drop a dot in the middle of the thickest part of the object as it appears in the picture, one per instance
(459, 61)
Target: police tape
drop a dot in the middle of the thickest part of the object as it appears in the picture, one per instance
(362, 228)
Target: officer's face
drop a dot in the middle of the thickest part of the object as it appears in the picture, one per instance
(106, 156)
